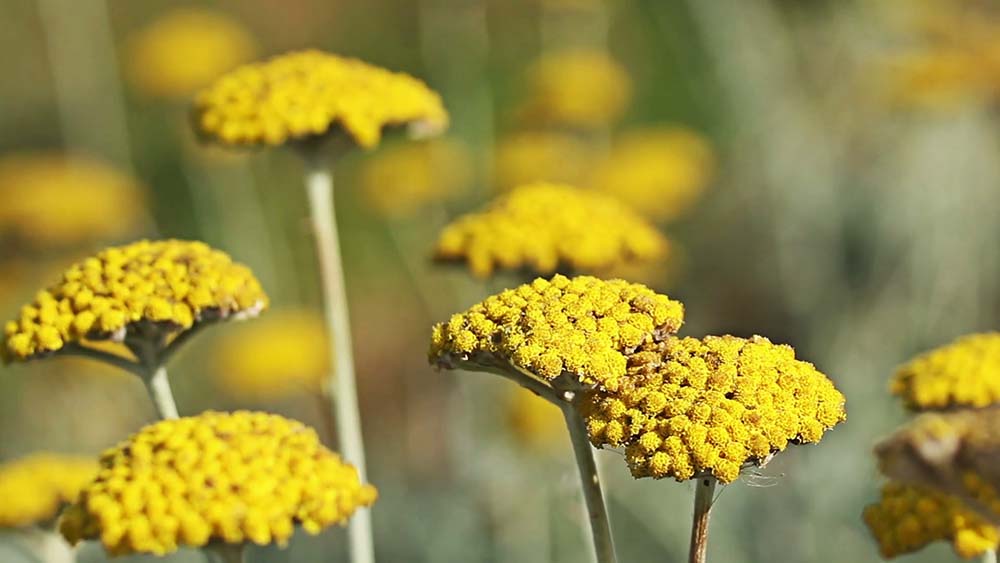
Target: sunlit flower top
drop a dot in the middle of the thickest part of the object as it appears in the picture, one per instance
(692, 407)
(965, 373)
(226, 477)
(52, 200)
(283, 353)
(545, 227)
(305, 94)
(577, 88)
(583, 326)
(185, 49)
(907, 518)
(534, 421)
(661, 171)
(34, 489)
(400, 180)
(541, 156)
(171, 284)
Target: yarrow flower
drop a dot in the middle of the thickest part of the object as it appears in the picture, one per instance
(304, 95)
(400, 180)
(223, 477)
(186, 49)
(540, 156)
(35, 489)
(690, 407)
(169, 284)
(543, 227)
(52, 200)
(583, 326)
(965, 373)
(578, 88)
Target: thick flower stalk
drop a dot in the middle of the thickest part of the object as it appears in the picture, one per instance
(221, 478)
(965, 373)
(543, 228)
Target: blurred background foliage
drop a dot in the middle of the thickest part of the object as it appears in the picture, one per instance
(828, 170)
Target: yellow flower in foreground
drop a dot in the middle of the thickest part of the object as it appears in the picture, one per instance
(543, 227)
(907, 518)
(280, 354)
(171, 284)
(690, 407)
(579, 88)
(184, 50)
(661, 172)
(535, 421)
(226, 477)
(302, 95)
(529, 157)
(54, 200)
(584, 326)
(34, 489)
(965, 373)
(401, 179)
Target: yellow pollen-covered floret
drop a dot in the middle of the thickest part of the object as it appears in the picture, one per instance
(691, 407)
(216, 477)
(582, 88)
(401, 179)
(542, 227)
(171, 283)
(965, 373)
(584, 326)
(302, 95)
(35, 488)
(907, 518)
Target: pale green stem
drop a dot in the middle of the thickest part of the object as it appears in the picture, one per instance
(340, 386)
(990, 556)
(159, 391)
(704, 496)
(48, 546)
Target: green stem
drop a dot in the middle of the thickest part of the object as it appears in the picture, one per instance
(704, 495)
(81, 351)
(159, 391)
(48, 545)
(990, 556)
(340, 386)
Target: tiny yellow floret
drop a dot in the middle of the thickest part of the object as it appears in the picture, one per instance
(965, 373)
(34, 489)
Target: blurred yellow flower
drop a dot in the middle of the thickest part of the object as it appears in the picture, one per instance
(184, 50)
(51, 200)
(543, 227)
(690, 407)
(303, 95)
(278, 355)
(535, 422)
(399, 180)
(659, 171)
(223, 477)
(964, 373)
(34, 489)
(538, 156)
(577, 88)
(171, 284)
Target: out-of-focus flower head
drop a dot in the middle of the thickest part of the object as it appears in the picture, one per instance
(34, 489)
(965, 373)
(55, 201)
(576, 88)
(907, 518)
(659, 171)
(283, 353)
(185, 49)
(224, 477)
(543, 227)
(582, 326)
(170, 284)
(541, 156)
(534, 421)
(690, 407)
(399, 180)
(307, 94)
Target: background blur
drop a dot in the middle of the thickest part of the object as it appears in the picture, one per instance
(849, 210)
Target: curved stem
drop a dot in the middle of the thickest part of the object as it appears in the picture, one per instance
(340, 386)
(703, 496)
(78, 350)
(159, 391)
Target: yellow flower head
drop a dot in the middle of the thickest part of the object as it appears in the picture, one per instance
(535, 421)
(280, 354)
(226, 477)
(584, 326)
(690, 407)
(907, 518)
(965, 373)
(577, 88)
(544, 227)
(52, 200)
(661, 172)
(523, 158)
(401, 179)
(184, 50)
(34, 489)
(302, 95)
(171, 284)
